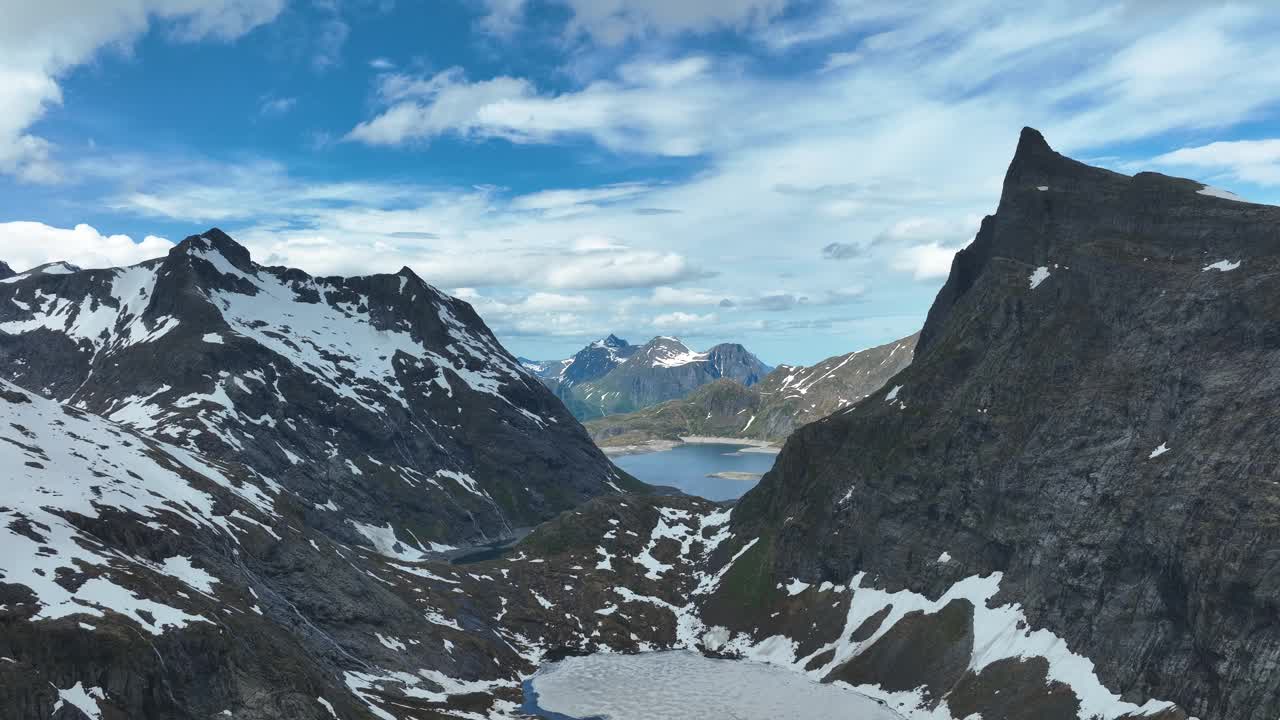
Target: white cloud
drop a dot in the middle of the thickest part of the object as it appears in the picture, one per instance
(565, 199)
(611, 22)
(918, 230)
(550, 302)
(683, 320)
(664, 108)
(24, 245)
(838, 60)
(40, 41)
(277, 105)
(502, 17)
(888, 157)
(684, 296)
(621, 269)
(382, 64)
(1254, 161)
(924, 262)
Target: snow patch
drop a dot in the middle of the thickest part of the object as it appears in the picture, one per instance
(1038, 276)
(1222, 266)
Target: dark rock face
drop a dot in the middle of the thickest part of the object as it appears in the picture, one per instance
(590, 363)
(378, 395)
(733, 362)
(6, 271)
(1090, 415)
(597, 360)
(771, 409)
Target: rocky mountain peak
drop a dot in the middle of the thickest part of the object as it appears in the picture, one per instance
(613, 341)
(215, 241)
(1084, 425)
(57, 267)
(377, 393)
(6, 271)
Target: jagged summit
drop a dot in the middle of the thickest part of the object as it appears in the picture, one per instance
(6, 271)
(322, 384)
(216, 241)
(769, 408)
(611, 341)
(1088, 427)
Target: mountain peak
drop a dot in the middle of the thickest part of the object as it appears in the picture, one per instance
(6, 271)
(1031, 140)
(612, 341)
(216, 241)
(1033, 160)
(58, 267)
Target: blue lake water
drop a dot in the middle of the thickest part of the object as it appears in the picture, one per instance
(687, 467)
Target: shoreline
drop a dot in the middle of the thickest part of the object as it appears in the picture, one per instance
(663, 445)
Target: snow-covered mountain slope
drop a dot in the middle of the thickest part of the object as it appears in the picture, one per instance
(590, 363)
(611, 376)
(788, 397)
(375, 392)
(142, 580)
(139, 579)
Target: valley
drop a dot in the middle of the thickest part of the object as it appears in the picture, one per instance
(234, 489)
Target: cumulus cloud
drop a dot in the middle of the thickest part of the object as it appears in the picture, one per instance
(24, 245)
(39, 42)
(924, 262)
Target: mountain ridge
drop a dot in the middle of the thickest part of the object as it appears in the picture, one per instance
(335, 386)
(768, 410)
(610, 375)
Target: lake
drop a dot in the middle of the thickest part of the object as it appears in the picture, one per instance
(682, 685)
(687, 467)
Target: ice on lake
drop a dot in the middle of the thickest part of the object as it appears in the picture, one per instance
(681, 685)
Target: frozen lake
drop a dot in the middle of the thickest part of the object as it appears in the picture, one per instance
(688, 466)
(681, 685)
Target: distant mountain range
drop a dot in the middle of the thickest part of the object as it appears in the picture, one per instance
(771, 409)
(611, 376)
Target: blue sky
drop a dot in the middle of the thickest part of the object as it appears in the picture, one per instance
(793, 175)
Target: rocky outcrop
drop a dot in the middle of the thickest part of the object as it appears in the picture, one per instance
(1087, 427)
(786, 398)
(376, 394)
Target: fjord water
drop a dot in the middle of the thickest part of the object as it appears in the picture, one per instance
(688, 466)
(682, 685)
